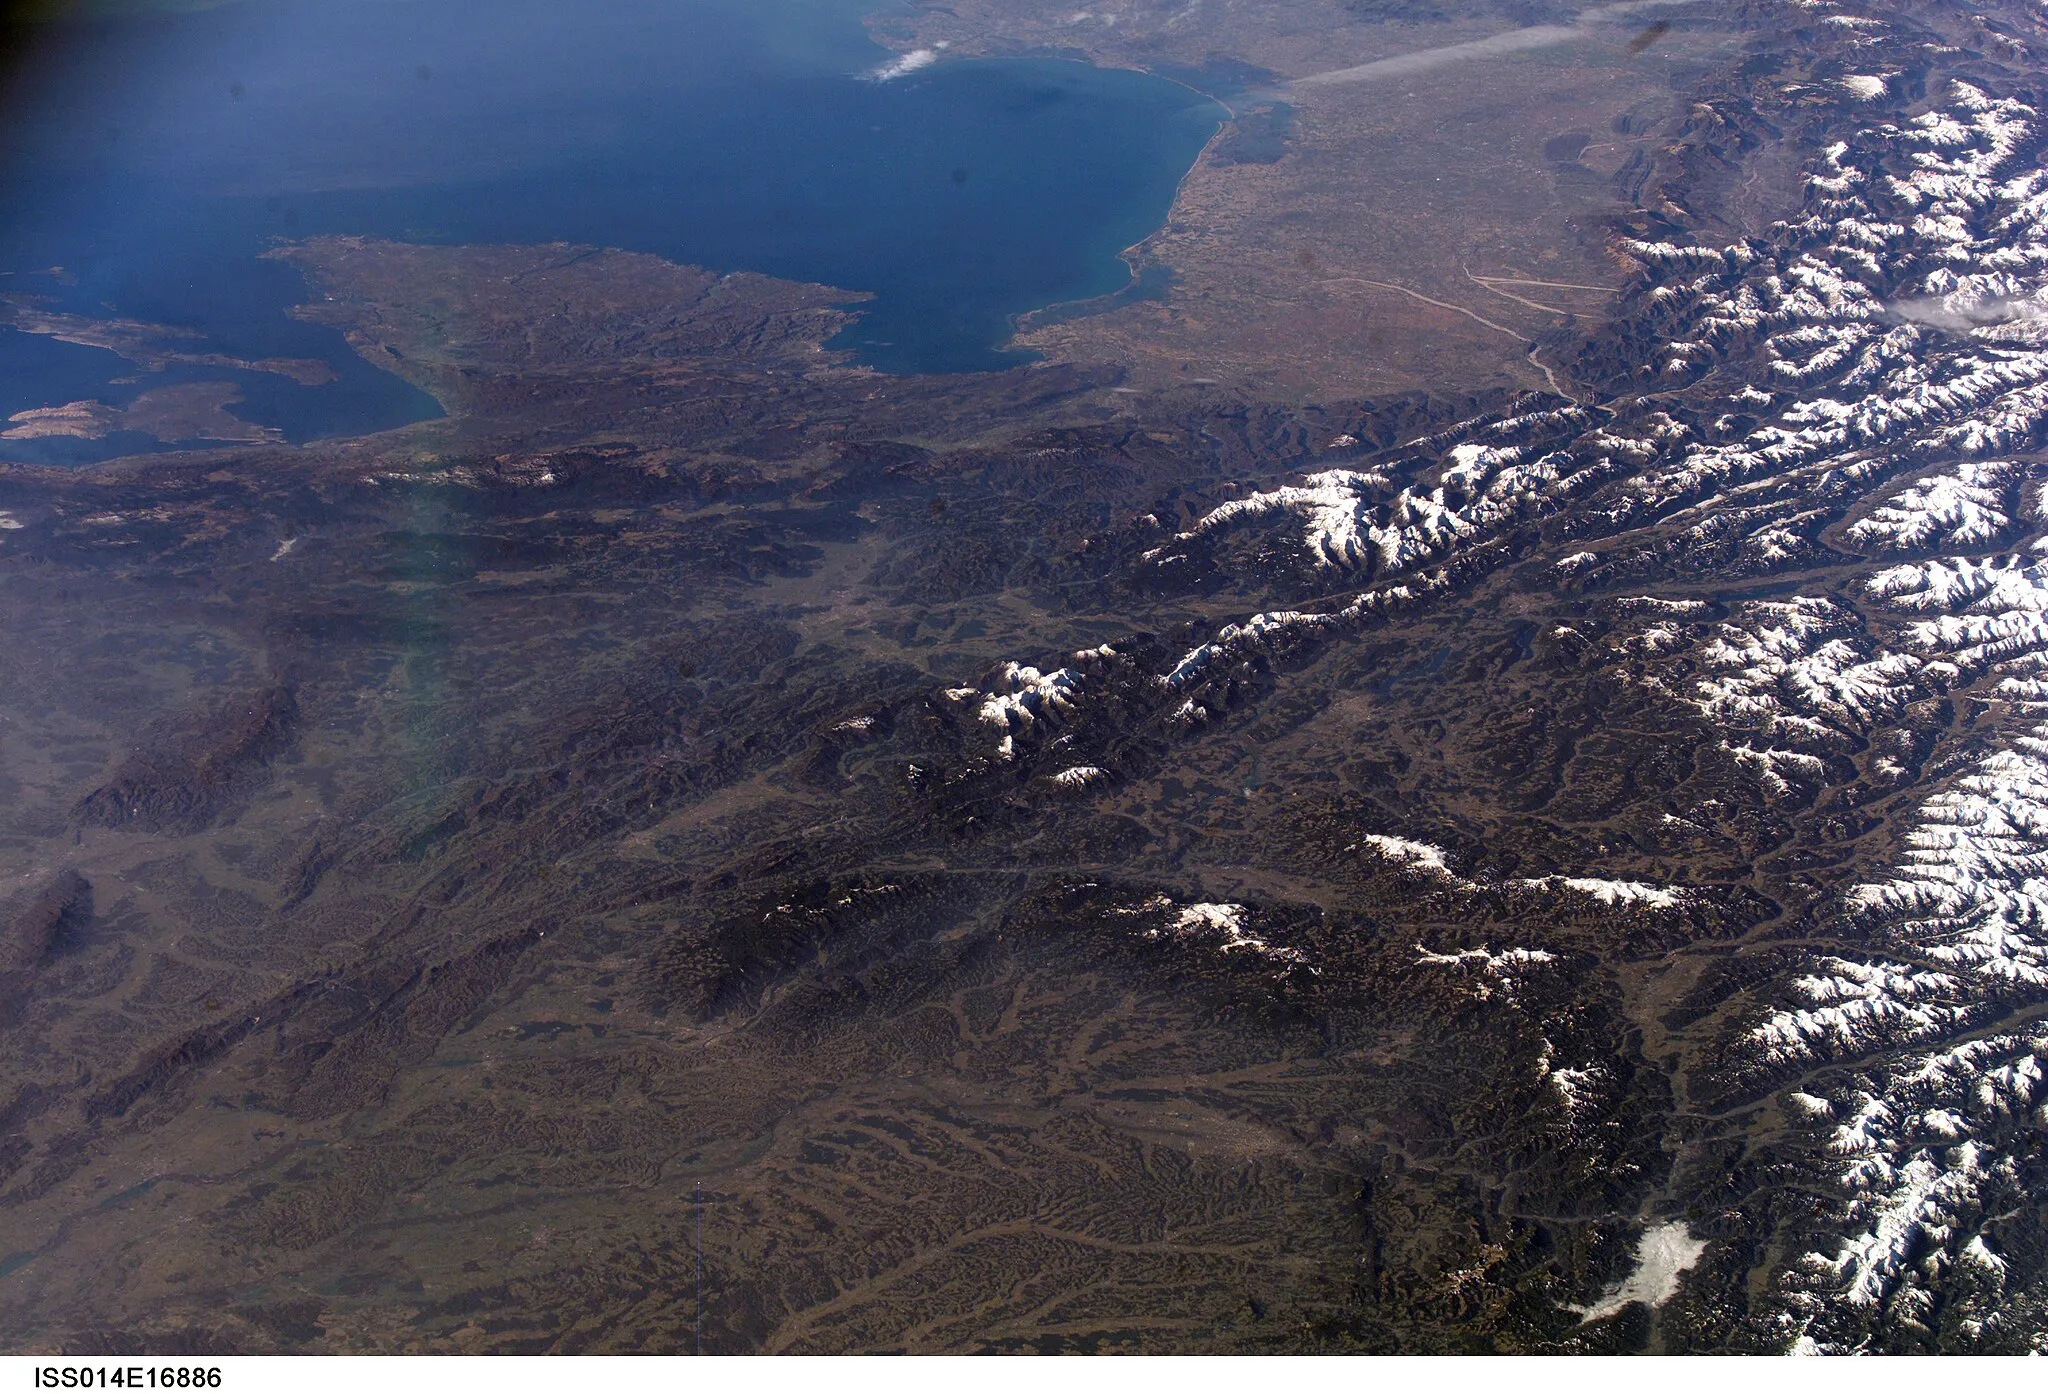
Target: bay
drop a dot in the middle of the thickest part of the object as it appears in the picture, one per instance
(157, 157)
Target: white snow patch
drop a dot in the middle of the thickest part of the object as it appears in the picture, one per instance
(1486, 958)
(1206, 918)
(1663, 1255)
(1963, 505)
(1617, 892)
(1574, 1086)
(1210, 915)
(1419, 855)
(1659, 603)
(1812, 1105)
(1352, 518)
(1492, 968)
(1032, 695)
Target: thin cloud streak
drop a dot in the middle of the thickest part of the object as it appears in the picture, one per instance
(1492, 46)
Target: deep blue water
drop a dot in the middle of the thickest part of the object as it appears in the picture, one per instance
(160, 157)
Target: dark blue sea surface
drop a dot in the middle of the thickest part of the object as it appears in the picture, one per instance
(156, 158)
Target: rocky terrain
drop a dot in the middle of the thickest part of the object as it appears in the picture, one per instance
(706, 847)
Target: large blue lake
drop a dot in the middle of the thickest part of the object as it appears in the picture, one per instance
(157, 158)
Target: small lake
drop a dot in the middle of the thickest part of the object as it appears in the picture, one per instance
(156, 158)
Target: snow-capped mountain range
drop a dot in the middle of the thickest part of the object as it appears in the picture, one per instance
(1860, 388)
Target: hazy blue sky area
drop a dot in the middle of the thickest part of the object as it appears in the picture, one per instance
(159, 159)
